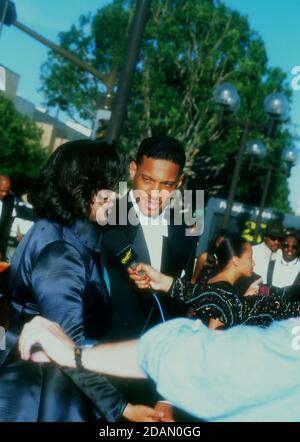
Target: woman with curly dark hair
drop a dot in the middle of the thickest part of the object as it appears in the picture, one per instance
(57, 272)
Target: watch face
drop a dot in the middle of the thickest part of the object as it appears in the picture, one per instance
(89, 343)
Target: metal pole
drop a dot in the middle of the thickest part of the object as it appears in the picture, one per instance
(263, 203)
(235, 176)
(129, 65)
(5, 8)
(63, 52)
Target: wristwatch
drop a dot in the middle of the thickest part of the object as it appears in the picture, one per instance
(78, 356)
(78, 350)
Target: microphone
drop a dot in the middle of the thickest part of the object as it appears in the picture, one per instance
(116, 243)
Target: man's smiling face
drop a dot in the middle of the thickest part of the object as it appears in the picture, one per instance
(154, 180)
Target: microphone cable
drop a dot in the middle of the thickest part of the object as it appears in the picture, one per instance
(153, 293)
(159, 306)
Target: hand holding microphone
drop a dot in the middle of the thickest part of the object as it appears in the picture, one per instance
(146, 276)
(139, 277)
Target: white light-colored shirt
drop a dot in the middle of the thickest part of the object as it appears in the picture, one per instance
(285, 273)
(262, 255)
(14, 213)
(154, 229)
(236, 375)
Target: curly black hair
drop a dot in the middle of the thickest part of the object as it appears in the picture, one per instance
(75, 172)
(162, 147)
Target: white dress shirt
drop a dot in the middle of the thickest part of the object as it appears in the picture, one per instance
(1, 204)
(154, 229)
(285, 272)
(262, 255)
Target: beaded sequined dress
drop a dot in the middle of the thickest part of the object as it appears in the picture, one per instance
(219, 301)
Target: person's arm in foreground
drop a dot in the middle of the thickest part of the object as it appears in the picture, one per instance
(208, 370)
(118, 359)
(59, 293)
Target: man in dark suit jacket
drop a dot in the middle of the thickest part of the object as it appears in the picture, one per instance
(6, 211)
(144, 217)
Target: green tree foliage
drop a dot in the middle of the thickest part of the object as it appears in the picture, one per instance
(20, 143)
(189, 46)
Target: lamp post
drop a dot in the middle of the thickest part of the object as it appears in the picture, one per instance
(290, 156)
(8, 13)
(142, 10)
(256, 150)
(226, 96)
(236, 175)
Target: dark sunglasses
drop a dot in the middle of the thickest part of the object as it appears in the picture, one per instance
(274, 238)
(288, 246)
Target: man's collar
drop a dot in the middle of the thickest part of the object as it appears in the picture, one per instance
(289, 263)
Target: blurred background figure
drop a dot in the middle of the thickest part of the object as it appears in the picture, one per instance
(6, 212)
(23, 218)
(285, 270)
(16, 218)
(269, 249)
(207, 262)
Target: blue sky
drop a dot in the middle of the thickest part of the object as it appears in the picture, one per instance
(276, 21)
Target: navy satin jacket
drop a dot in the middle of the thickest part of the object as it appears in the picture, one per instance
(57, 273)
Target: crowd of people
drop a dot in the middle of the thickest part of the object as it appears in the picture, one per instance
(68, 293)
(16, 218)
